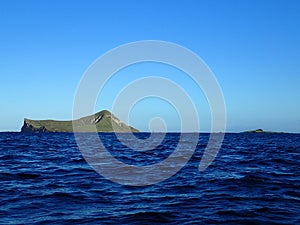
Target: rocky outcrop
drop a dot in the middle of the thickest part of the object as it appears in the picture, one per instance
(262, 131)
(27, 127)
(255, 131)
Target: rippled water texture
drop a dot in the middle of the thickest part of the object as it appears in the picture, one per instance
(255, 179)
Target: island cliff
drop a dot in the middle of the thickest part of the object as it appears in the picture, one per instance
(104, 121)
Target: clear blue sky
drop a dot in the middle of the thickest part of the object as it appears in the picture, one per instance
(253, 48)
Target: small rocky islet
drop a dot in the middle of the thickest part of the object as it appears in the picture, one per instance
(262, 131)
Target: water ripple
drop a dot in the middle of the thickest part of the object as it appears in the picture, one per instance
(254, 180)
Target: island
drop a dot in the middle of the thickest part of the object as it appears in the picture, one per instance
(254, 131)
(104, 121)
(262, 131)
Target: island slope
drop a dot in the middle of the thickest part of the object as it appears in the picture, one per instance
(104, 121)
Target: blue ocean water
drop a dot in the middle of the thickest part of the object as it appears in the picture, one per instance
(255, 179)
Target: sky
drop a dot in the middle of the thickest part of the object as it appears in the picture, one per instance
(252, 47)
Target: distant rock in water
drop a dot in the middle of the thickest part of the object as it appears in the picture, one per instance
(262, 131)
(104, 121)
(255, 131)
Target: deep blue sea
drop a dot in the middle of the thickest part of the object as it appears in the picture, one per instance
(255, 179)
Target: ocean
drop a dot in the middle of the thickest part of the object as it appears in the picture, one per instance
(255, 179)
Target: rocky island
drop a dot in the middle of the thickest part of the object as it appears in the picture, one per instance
(104, 121)
(262, 131)
(255, 131)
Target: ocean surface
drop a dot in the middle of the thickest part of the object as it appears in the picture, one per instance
(255, 179)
